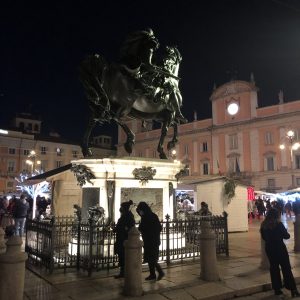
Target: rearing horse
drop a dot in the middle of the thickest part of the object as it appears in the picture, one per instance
(134, 89)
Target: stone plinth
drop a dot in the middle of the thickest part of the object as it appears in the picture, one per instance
(12, 270)
(133, 264)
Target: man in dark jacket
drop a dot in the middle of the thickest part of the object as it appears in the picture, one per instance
(150, 228)
(20, 214)
(124, 224)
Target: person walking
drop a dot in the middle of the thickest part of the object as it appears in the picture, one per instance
(20, 213)
(124, 224)
(150, 228)
(273, 232)
(204, 211)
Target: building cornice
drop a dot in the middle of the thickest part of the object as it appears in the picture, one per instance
(232, 88)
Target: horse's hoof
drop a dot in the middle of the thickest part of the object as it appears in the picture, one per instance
(181, 120)
(170, 145)
(128, 148)
(162, 156)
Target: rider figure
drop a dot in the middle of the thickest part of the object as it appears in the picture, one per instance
(168, 91)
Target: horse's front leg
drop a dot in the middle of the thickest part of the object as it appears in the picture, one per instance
(174, 140)
(86, 151)
(164, 131)
(130, 141)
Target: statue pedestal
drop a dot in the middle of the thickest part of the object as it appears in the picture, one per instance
(104, 248)
(139, 179)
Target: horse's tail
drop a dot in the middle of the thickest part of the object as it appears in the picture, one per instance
(91, 74)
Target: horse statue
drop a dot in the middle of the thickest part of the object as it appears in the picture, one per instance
(134, 88)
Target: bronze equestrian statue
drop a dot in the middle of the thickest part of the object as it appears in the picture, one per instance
(134, 88)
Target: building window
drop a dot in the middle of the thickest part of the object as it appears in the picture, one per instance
(10, 184)
(269, 138)
(270, 163)
(74, 153)
(231, 164)
(204, 147)
(36, 127)
(11, 166)
(187, 170)
(59, 151)
(297, 161)
(44, 165)
(43, 150)
(11, 150)
(58, 163)
(233, 142)
(26, 152)
(205, 168)
(154, 153)
(298, 181)
(296, 136)
(186, 149)
(271, 183)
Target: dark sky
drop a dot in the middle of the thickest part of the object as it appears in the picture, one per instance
(42, 47)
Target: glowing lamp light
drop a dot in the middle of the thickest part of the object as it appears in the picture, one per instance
(173, 152)
(233, 108)
(32, 152)
(296, 146)
(282, 146)
(29, 162)
(3, 131)
(290, 134)
(38, 162)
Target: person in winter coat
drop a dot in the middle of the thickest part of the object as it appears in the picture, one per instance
(124, 224)
(20, 212)
(273, 232)
(204, 211)
(150, 228)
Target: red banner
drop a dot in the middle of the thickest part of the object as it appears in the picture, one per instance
(250, 193)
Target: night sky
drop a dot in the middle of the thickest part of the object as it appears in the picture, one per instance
(42, 47)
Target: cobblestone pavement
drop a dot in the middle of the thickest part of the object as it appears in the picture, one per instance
(240, 277)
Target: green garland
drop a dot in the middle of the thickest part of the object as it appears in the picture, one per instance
(229, 188)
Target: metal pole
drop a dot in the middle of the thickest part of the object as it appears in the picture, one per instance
(168, 240)
(78, 242)
(90, 263)
(292, 169)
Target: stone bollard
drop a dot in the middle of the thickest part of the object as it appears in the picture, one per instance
(264, 261)
(2, 241)
(297, 233)
(208, 257)
(12, 270)
(133, 264)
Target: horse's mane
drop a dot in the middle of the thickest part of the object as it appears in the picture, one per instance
(131, 45)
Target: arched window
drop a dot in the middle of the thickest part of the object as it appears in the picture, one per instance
(21, 125)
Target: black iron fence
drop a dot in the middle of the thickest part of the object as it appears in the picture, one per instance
(64, 243)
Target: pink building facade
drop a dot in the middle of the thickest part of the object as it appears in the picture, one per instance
(240, 140)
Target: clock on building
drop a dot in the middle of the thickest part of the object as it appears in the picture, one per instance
(233, 108)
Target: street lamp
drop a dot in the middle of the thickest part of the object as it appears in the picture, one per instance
(293, 146)
(173, 154)
(32, 160)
